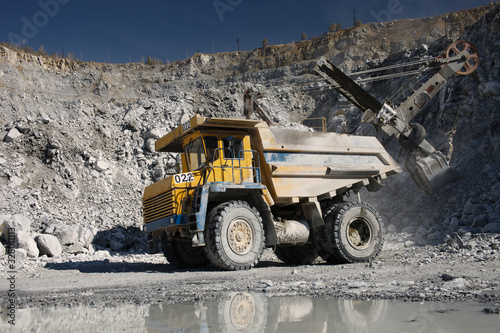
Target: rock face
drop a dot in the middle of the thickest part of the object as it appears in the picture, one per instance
(79, 137)
(49, 245)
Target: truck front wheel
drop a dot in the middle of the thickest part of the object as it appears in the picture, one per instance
(234, 236)
(182, 254)
(354, 233)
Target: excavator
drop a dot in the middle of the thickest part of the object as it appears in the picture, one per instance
(428, 167)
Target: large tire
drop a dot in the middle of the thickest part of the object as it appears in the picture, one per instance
(321, 241)
(234, 236)
(296, 254)
(182, 254)
(354, 233)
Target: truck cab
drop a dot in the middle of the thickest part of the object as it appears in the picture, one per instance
(217, 165)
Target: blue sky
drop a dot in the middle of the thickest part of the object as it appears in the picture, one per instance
(126, 30)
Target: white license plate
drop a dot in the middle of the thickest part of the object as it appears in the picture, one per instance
(184, 178)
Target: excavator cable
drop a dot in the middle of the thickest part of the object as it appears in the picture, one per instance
(453, 130)
(359, 80)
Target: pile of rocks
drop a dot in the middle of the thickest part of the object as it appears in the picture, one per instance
(55, 238)
(473, 247)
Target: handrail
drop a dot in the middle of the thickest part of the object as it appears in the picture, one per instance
(255, 166)
(323, 123)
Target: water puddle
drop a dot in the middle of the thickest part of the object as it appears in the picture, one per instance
(247, 312)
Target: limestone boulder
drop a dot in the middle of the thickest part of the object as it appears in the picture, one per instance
(49, 245)
(17, 222)
(24, 241)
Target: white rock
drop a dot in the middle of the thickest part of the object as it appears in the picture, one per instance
(12, 135)
(86, 235)
(150, 145)
(408, 283)
(101, 254)
(17, 222)
(24, 241)
(134, 113)
(20, 255)
(156, 133)
(356, 284)
(409, 243)
(74, 248)
(455, 284)
(49, 245)
(101, 166)
(2, 249)
(15, 181)
(64, 233)
(268, 283)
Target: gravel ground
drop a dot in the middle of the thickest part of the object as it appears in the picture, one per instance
(403, 271)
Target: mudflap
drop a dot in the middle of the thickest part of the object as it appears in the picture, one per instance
(430, 172)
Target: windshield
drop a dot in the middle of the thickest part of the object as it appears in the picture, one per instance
(195, 155)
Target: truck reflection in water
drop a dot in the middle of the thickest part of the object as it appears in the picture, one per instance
(242, 311)
(248, 312)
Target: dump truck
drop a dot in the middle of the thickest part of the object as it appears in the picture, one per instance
(246, 185)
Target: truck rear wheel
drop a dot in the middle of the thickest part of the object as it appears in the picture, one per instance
(323, 245)
(234, 236)
(354, 233)
(182, 254)
(297, 254)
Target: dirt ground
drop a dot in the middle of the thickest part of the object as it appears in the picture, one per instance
(403, 271)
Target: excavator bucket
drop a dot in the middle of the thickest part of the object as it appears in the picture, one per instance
(431, 172)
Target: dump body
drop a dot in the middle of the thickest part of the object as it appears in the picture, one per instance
(298, 164)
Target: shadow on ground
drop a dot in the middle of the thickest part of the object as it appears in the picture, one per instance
(121, 239)
(105, 266)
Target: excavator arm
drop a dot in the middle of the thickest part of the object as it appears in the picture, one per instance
(250, 106)
(428, 167)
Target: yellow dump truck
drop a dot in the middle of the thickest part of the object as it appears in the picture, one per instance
(245, 185)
